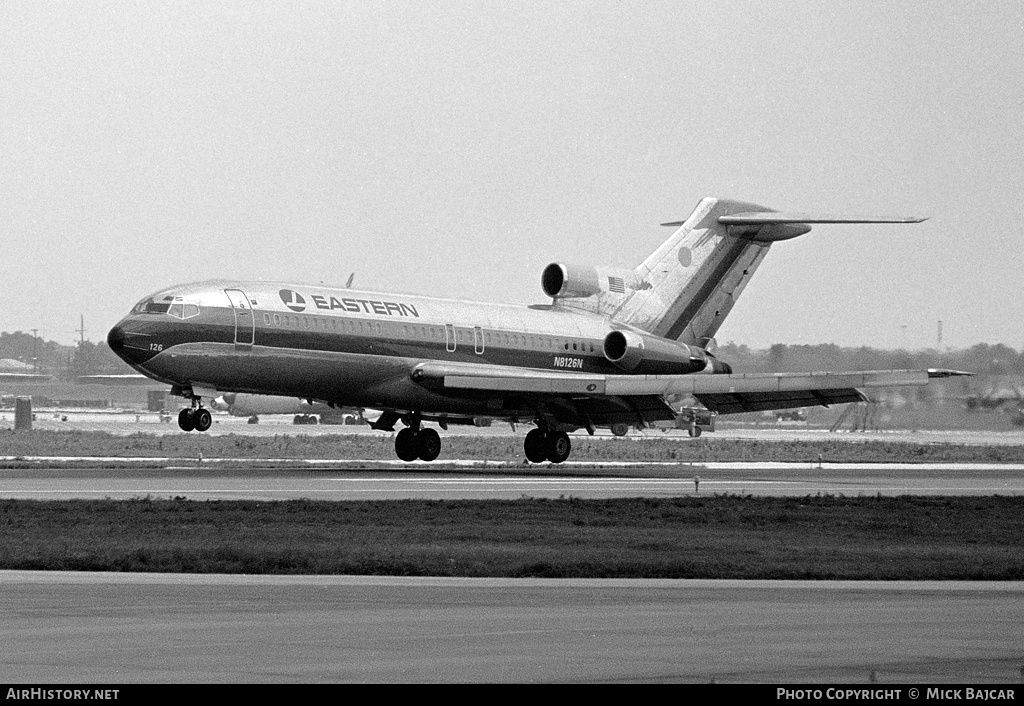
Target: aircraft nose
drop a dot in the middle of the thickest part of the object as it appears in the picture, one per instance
(115, 339)
(128, 344)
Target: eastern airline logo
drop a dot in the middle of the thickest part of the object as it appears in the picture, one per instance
(296, 302)
(293, 300)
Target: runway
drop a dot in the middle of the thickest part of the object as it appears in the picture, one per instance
(153, 628)
(374, 480)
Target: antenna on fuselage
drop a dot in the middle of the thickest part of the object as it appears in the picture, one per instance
(348, 285)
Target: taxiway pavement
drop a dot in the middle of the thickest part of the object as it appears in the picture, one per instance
(103, 628)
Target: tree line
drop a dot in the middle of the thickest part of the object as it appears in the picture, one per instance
(61, 361)
(982, 358)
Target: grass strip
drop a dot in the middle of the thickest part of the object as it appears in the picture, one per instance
(737, 537)
(495, 448)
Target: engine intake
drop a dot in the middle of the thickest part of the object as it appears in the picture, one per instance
(560, 281)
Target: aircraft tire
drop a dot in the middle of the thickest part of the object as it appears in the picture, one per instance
(695, 432)
(559, 446)
(429, 442)
(407, 445)
(185, 420)
(536, 447)
(620, 429)
(202, 419)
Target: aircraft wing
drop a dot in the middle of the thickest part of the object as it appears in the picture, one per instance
(725, 394)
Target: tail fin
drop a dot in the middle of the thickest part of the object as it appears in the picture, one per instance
(697, 275)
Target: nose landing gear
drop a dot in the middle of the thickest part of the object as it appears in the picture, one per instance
(198, 419)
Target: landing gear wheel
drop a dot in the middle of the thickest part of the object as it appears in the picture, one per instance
(407, 445)
(694, 432)
(202, 419)
(429, 444)
(559, 446)
(185, 420)
(536, 447)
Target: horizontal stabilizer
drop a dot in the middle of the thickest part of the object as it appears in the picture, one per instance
(763, 218)
(773, 218)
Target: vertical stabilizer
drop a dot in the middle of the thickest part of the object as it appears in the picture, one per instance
(696, 276)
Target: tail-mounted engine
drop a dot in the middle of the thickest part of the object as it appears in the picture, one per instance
(561, 281)
(643, 353)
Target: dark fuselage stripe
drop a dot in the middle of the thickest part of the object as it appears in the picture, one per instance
(391, 337)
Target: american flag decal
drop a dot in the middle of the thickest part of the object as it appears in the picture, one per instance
(615, 284)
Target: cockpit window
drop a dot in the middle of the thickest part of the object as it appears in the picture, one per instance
(183, 310)
(151, 306)
(168, 305)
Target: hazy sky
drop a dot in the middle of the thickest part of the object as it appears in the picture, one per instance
(455, 148)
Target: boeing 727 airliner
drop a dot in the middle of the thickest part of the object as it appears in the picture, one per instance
(607, 350)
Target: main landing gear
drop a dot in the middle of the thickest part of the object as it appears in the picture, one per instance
(416, 442)
(546, 445)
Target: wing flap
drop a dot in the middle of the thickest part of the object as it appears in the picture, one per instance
(737, 402)
(759, 382)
